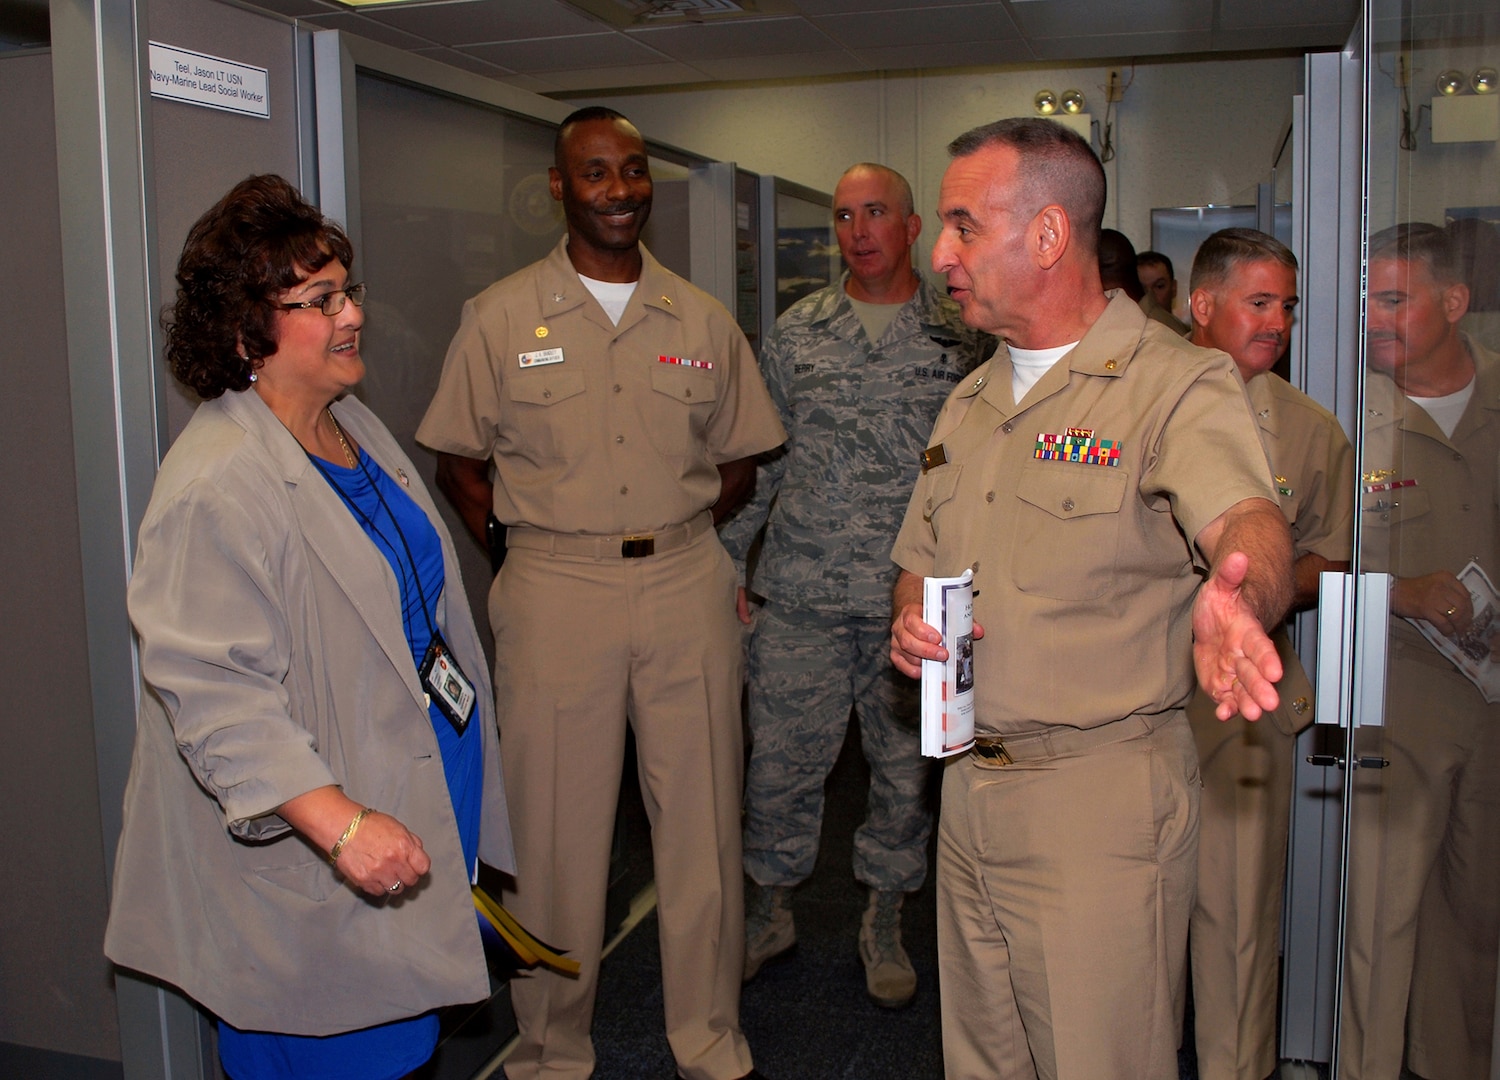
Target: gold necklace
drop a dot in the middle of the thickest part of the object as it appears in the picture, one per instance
(348, 454)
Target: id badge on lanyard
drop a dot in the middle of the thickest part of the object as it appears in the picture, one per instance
(447, 684)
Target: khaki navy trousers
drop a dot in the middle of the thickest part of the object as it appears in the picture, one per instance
(1235, 934)
(1065, 881)
(1423, 831)
(580, 644)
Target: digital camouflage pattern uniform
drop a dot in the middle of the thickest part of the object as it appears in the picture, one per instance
(858, 415)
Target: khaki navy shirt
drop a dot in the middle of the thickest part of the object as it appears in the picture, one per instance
(595, 428)
(1428, 501)
(1076, 510)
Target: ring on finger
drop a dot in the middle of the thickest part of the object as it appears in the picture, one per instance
(1450, 612)
(395, 888)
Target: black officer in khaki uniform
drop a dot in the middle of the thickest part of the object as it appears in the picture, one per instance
(608, 394)
(1088, 473)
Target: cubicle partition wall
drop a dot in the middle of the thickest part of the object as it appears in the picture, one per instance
(800, 253)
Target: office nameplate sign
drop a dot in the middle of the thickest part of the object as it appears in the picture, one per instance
(210, 81)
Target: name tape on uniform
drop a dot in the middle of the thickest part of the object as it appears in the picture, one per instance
(541, 357)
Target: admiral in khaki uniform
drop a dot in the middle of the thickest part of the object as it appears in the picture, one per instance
(609, 394)
(1424, 891)
(1244, 291)
(1089, 472)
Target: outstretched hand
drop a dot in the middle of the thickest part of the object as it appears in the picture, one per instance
(1235, 659)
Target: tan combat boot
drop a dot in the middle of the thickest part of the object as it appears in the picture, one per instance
(889, 976)
(769, 930)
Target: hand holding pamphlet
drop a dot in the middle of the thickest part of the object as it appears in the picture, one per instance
(1469, 651)
(948, 686)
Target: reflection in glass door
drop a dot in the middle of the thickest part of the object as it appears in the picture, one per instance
(1422, 895)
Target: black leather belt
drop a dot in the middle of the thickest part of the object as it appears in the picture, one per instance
(634, 546)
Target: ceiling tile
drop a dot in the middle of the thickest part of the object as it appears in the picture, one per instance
(742, 37)
(298, 8)
(580, 53)
(1283, 37)
(455, 58)
(950, 55)
(1110, 46)
(928, 26)
(470, 21)
(352, 23)
(534, 83)
(1091, 18)
(792, 66)
(1257, 14)
(601, 79)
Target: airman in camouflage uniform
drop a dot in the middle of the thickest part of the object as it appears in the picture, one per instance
(858, 394)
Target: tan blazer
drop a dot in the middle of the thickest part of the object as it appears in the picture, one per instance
(275, 662)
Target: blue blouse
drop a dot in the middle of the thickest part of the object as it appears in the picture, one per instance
(400, 530)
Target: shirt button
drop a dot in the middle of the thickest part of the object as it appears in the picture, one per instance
(1007, 427)
(619, 438)
(624, 490)
(1457, 456)
(1466, 506)
(687, 393)
(989, 496)
(617, 388)
(546, 393)
(1067, 505)
(975, 567)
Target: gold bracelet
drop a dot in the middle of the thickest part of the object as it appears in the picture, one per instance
(338, 848)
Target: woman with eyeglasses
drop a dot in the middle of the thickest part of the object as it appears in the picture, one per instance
(316, 769)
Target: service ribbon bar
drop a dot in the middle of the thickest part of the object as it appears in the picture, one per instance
(1390, 485)
(706, 365)
(1079, 445)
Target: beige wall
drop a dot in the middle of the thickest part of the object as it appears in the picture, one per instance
(1186, 133)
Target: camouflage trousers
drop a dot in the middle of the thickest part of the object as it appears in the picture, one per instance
(807, 669)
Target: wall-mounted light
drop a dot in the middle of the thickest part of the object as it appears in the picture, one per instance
(1451, 82)
(1073, 102)
(1045, 102)
(1467, 107)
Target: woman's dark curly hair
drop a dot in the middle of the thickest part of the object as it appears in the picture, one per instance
(258, 241)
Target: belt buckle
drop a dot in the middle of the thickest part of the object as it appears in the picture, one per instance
(993, 748)
(637, 547)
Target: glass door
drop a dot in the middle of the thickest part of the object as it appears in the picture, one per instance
(1421, 928)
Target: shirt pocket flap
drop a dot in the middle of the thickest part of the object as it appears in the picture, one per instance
(1068, 493)
(546, 386)
(684, 383)
(940, 486)
(1392, 507)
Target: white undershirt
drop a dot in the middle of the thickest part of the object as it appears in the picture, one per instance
(1446, 411)
(612, 295)
(1029, 365)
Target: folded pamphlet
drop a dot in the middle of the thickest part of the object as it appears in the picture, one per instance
(948, 685)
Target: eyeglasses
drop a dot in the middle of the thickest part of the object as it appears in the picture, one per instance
(332, 303)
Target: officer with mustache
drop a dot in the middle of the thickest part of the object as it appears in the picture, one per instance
(1244, 293)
